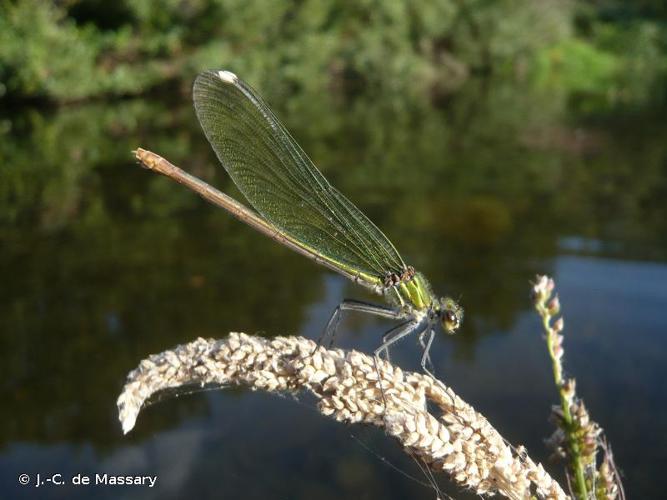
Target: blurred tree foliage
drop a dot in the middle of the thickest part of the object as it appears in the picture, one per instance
(75, 49)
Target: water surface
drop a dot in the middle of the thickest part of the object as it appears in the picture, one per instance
(103, 263)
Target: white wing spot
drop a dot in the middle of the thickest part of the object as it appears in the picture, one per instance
(227, 76)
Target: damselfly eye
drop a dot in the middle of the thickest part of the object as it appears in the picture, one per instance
(451, 315)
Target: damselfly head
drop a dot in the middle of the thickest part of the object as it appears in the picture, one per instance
(451, 314)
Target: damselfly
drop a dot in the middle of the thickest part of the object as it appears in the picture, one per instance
(296, 206)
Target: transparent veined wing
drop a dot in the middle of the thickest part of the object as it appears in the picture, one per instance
(282, 184)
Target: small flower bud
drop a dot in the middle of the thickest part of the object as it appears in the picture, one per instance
(556, 339)
(540, 292)
(551, 284)
(558, 352)
(558, 325)
(554, 306)
(568, 390)
(570, 386)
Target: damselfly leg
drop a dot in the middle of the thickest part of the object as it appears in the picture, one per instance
(391, 337)
(331, 329)
(426, 363)
(397, 333)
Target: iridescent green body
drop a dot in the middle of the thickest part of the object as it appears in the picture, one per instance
(295, 204)
(415, 293)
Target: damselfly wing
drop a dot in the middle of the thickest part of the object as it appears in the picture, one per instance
(293, 203)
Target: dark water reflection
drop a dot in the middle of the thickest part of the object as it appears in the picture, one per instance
(102, 264)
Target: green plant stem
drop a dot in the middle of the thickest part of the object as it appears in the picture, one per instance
(581, 489)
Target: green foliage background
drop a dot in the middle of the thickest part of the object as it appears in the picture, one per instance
(78, 49)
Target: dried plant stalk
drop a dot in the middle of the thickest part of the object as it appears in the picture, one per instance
(352, 388)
